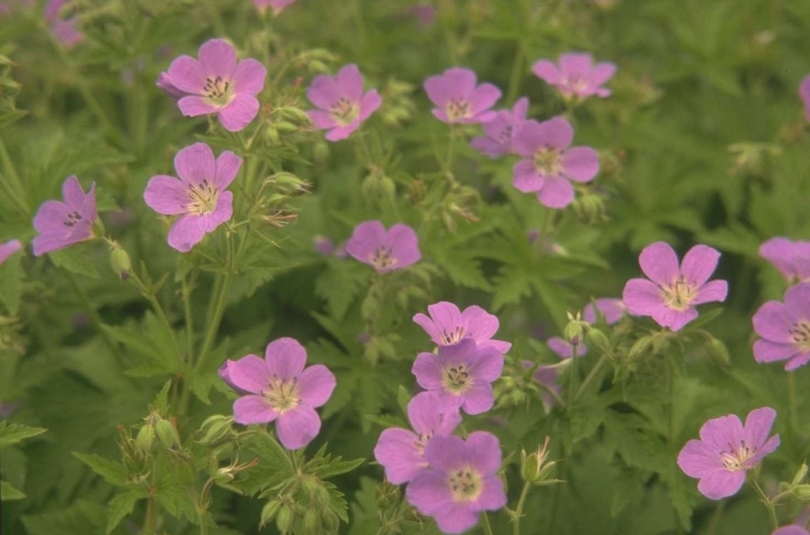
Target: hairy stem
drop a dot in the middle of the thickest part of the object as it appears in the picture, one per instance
(768, 504)
(519, 509)
(591, 375)
(486, 525)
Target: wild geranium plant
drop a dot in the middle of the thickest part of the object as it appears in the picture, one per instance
(315, 267)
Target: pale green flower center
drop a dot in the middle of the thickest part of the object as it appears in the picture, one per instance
(465, 484)
(202, 198)
(800, 332)
(218, 90)
(456, 379)
(282, 395)
(737, 458)
(383, 258)
(344, 111)
(548, 161)
(454, 336)
(679, 294)
(458, 109)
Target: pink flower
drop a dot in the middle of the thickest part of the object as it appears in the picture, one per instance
(499, 133)
(547, 376)
(785, 329)
(673, 291)
(402, 452)
(565, 350)
(280, 390)
(804, 93)
(549, 164)
(576, 75)
(610, 308)
(460, 481)
(62, 224)
(459, 99)
(9, 248)
(64, 29)
(791, 530)
(217, 84)
(343, 106)
(383, 250)
(276, 5)
(727, 450)
(461, 375)
(791, 258)
(447, 326)
(199, 196)
(164, 83)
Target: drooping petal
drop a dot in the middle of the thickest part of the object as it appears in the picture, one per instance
(316, 385)
(186, 75)
(253, 410)
(710, 292)
(721, 484)
(249, 77)
(698, 459)
(428, 371)
(297, 427)
(239, 112)
(285, 358)
(556, 192)
(187, 232)
(9, 248)
(228, 165)
(249, 374)
(166, 195)
(580, 164)
(217, 58)
(659, 262)
(698, 264)
(196, 163)
(396, 451)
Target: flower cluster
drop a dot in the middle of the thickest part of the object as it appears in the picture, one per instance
(449, 478)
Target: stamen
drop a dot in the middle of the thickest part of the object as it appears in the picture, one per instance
(383, 258)
(458, 109)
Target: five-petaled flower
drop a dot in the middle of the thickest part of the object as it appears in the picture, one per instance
(576, 76)
(610, 308)
(276, 5)
(500, 131)
(565, 349)
(383, 250)
(62, 224)
(9, 248)
(726, 450)
(549, 164)
(343, 106)
(546, 375)
(785, 328)
(459, 99)
(447, 325)
(199, 196)
(280, 389)
(673, 291)
(402, 452)
(791, 258)
(804, 93)
(461, 375)
(460, 481)
(217, 84)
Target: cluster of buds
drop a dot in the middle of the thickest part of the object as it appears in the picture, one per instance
(535, 468)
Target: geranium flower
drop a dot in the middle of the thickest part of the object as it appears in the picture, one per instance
(343, 106)
(9, 248)
(565, 350)
(63, 29)
(62, 224)
(460, 481)
(791, 258)
(199, 196)
(402, 452)
(459, 99)
(383, 250)
(547, 376)
(217, 84)
(576, 75)
(461, 375)
(612, 309)
(447, 325)
(785, 329)
(673, 291)
(500, 131)
(276, 5)
(280, 390)
(726, 450)
(549, 164)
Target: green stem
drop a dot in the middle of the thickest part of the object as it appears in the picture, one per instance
(189, 319)
(451, 150)
(572, 383)
(219, 310)
(149, 520)
(791, 388)
(14, 179)
(768, 504)
(519, 510)
(591, 375)
(516, 75)
(487, 526)
(95, 319)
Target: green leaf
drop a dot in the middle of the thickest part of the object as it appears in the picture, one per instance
(122, 505)
(336, 467)
(81, 518)
(75, 260)
(11, 434)
(113, 472)
(510, 285)
(8, 493)
(11, 275)
(387, 420)
(340, 284)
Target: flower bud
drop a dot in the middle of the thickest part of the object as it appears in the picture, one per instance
(598, 339)
(285, 521)
(387, 495)
(574, 331)
(121, 263)
(800, 474)
(145, 440)
(641, 346)
(215, 429)
(719, 352)
(223, 476)
(312, 522)
(534, 469)
(801, 493)
(167, 434)
(269, 512)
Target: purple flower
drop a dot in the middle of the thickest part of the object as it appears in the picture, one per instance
(726, 450)
(9, 248)
(458, 99)
(547, 375)
(791, 530)
(549, 164)
(447, 325)
(425, 14)
(62, 224)
(610, 308)
(323, 245)
(199, 196)
(164, 83)
(281, 390)
(461, 374)
(499, 132)
(224, 372)
(460, 481)
(791, 258)
(785, 328)
(576, 75)
(64, 29)
(673, 291)
(565, 350)
(402, 452)
(276, 5)
(217, 84)
(384, 250)
(804, 93)
(343, 106)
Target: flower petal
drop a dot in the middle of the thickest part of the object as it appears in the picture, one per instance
(773, 322)
(445, 452)
(187, 232)
(296, 428)
(483, 98)
(366, 238)
(166, 195)
(446, 317)
(227, 166)
(194, 106)
(547, 71)
(721, 484)
(323, 91)
(797, 300)
(767, 351)
(526, 178)
(428, 491)
(316, 385)
(557, 192)
(73, 193)
(455, 518)
(660, 263)
(396, 451)
(492, 497)
(369, 104)
(285, 358)
(642, 297)
(478, 399)
(480, 324)
(249, 374)
(350, 82)
(674, 319)
(404, 245)
(580, 164)
(698, 264)
(217, 58)
(196, 163)
(698, 459)
(253, 410)
(249, 77)
(239, 112)
(718, 433)
(758, 425)
(710, 292)
(484, 452)
(185, 74)
(428, 371)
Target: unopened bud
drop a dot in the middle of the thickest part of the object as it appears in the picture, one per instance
(719, 352)
(285, 521)
(534, 469)
(801, 493)
(800, 474)
(269, 512)
(574, 331)
(121, 263)
(598, 339)
(167, 434)
(387, 495)
(145, 440)
(215, 429)
(641, 346)
(312, 522)
(223, 476)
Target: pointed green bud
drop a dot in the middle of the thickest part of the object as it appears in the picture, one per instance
(800, 474)
(312, 522)
(215, 429)
(121, 263)
(641, 347)
(285, 521)
(597, 339)
(167, 434)
(269, 512)
(145, 440)
(534, 467)
(719, 352)
(801, 493)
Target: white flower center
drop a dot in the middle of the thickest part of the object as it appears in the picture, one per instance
(548, 161)
(282, 395)
(344, 111)
(800, 333)
(218, 90)
(678, 294)
(456, 379)
(458, 109)
(383, 258)
(202, 198)
(465, 484)
(737, 458)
